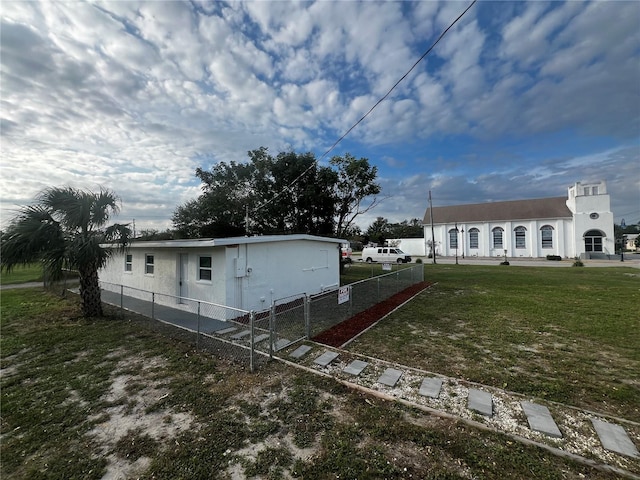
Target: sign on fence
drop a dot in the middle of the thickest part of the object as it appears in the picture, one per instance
(343, 294)
(386, 266)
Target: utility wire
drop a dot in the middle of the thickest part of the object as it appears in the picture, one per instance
(288, 187)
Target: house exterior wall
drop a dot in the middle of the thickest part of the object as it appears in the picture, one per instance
(247, 276)
(165, 278)
(263, 272)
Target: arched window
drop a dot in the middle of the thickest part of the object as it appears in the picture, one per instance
(453, 238)
(593, 241)
(473, 237)
(497, 237)
(521, 237)
(546, 234)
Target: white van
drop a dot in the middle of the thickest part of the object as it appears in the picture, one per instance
(384, 255)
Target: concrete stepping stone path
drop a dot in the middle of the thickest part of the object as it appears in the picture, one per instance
(260, 338)
(242, 334)
(356, 367)
(300, 352)
(613, 437)
(390, 377)
(431, 387)
(480, 401)
(224, 331)
(280, 344)
(326, 358)
(540, 419)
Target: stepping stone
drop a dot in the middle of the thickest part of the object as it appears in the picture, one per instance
(225, 331)
(260, 338)
(355, 367)
(326, 358)
(301, 351)
(241, 334)
(390, 377)
(614, 438)
(280, 344)
(540, 419)
(480, 401)
(431, 387)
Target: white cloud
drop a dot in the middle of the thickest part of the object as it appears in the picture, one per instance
(135, 96)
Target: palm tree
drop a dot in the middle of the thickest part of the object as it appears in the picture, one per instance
(65, 229)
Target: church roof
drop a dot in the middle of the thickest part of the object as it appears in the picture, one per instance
(537, 208)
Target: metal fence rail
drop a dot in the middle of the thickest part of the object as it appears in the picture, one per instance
(240, 334)
(320, 312)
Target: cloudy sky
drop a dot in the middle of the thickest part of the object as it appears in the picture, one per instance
(519, 100)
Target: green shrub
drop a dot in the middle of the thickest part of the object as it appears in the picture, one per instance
(578, 262)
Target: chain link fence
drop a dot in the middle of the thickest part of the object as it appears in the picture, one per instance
(320, 312)
(252, 337)
(225, 331)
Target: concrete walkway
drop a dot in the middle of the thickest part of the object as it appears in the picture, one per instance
(567, 430)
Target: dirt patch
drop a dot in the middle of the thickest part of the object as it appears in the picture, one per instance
(129, 416)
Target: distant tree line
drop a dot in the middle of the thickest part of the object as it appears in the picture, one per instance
(282, 194)
(382, 230)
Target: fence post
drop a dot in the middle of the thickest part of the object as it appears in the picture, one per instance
(307, 316)
(272, 326)
(350, 301)
(378, 289)
(122, 300)
(198, 334)
(397, 281)
(153, 305)
(251, 349)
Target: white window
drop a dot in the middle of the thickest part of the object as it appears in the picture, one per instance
(546, 233)
(473, 238)
(594, 190)
(497, 237)
(205, 269)
(148, 264)
(453, 238)
(521, 237)
(128, 262)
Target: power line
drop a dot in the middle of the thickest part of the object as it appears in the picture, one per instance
(369, 111)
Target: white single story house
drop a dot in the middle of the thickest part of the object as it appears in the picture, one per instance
(240, 272)
(579, 225)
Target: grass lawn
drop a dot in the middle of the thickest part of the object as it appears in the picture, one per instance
(570, 335)
(87, 398)
(22, 274)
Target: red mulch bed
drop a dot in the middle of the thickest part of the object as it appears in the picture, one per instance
(343, 332)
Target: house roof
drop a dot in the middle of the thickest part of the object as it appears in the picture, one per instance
(221, 242)
(538, 208)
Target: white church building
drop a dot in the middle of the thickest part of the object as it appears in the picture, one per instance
(579, 225)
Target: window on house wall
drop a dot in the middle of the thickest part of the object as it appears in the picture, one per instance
(473, 238)
(521, 237)
(128, 262)
(594, 190)
(204, 269)
(497, 237)
(546, 233)
(453, 238)
(148, 264)
(586, 190)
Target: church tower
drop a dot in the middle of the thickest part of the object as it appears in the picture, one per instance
(590, 205)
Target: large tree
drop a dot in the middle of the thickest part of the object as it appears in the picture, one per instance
(356, 184)
(288, 193)
(65, 229)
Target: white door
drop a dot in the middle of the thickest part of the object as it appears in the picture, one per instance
(183, 277)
